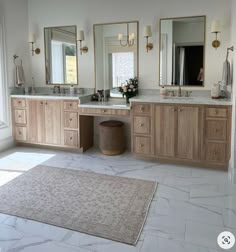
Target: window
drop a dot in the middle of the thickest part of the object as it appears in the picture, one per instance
(64, 62)
(3, 80)
(122, 68)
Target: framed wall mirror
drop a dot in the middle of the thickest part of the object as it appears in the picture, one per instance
(182, 51)
(61, 55)
(116, 55)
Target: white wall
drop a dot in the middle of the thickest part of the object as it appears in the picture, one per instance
(15, 14)
(85, 13)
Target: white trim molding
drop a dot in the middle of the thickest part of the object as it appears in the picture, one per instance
(4, 96)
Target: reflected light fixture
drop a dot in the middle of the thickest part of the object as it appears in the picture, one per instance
(80, 38)
(129, 38)
(32, 41)
(216, 28)
(147, 32)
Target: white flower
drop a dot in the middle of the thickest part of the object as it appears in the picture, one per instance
(131, 86)
(129, 90)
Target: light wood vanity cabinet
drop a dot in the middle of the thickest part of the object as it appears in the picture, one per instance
(71, 123)
(187, 133)
(217, 134)
(19, 118)
(176, 131)
(44, 121)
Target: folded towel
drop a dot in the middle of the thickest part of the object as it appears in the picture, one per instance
(20, 77)
(226, 79)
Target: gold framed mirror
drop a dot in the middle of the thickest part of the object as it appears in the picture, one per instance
(116, 54)
(61, 65)
(182, 51)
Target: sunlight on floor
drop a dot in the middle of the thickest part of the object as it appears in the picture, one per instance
(14, 164)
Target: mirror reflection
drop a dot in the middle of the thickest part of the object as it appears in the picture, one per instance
(61, 55)
(182, 46)
(116, 55)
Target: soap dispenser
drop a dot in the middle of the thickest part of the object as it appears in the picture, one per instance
(163, 92)
(215, 91)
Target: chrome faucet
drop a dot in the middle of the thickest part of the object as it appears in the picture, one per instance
(56, 90)
(179, 92)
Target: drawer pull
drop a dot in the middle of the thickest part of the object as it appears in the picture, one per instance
(19, 102)
(104, 111)
(141, 145)
(70, 119)
(70, 104)
(141, 124)
(180, 110)
(71, 138)
(19, 132)
(19, 116)
(41, 103)
(173, 110)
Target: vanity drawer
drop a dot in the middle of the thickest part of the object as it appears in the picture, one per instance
(141, 108)
(71, 120)
(70, 105)
(142, 124)
(216, 130)
(20, 133)
(104, 111)
(18, 103)
(142, 145)
(20, 116)
(71, 138)
(216, 112)
(216, 152)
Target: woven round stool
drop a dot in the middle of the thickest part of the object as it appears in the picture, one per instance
(111, 137)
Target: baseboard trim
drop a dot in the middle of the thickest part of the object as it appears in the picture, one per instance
(6, 143)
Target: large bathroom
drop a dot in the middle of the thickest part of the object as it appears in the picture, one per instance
(117, 126)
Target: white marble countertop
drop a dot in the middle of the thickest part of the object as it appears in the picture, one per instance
(182, 100)
(50, 96)
(119, 104)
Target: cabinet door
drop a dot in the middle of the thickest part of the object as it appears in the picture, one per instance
(165, 130)
(36, 121)
(188, 133)
(53, 122)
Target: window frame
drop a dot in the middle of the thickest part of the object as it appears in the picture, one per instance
(4, 97)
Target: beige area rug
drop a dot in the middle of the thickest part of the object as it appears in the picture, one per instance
(106, 206)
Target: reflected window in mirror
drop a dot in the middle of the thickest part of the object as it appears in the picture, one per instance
(182, 49)
(114, 62)
(61, 55)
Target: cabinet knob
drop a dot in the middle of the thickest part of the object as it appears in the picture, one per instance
(173, 110)
(141, 124)
(70, 119)
(19, 132)
(141, 145)
(103, 110)
(180, 110)
(19, 116)
(70, 104)
(71, 138)
(19, 102)
(142, 108)
(46, 103)
(41, 103)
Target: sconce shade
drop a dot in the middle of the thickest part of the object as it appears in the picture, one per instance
(120, 36)
(32, 38)
(147, 31)
(215, 26)
(80, 35)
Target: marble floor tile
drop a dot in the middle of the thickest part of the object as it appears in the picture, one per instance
(169, 245)
(191, 205)
(205, 234)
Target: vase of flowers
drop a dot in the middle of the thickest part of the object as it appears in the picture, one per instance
(129, 89)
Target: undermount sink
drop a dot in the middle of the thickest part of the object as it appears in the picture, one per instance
(178, 98)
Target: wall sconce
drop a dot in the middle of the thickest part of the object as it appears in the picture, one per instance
(215, 28)
(80, 38)
(129, 38)
(147, 32)
(32, 41)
